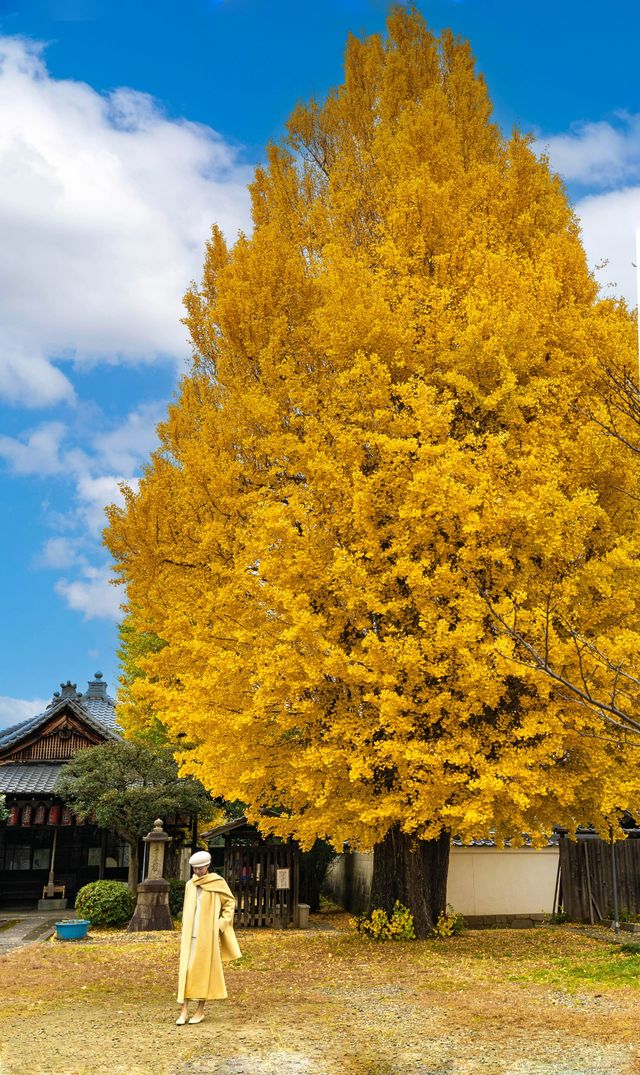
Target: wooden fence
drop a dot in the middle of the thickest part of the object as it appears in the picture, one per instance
(585, 889)
(265, 883)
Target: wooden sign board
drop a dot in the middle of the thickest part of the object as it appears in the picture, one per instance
(283, 878)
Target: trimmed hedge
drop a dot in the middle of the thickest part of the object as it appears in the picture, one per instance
(176, 896)
(106, 903)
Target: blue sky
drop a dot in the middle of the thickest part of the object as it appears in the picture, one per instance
(126, 129)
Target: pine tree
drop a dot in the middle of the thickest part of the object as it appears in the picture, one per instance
(387, 422)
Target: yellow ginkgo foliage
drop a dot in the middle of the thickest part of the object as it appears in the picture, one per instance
(388, 420)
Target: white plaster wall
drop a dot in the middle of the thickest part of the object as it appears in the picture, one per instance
(494, 881)
(482, 880)
(349, 881)
(363, 869)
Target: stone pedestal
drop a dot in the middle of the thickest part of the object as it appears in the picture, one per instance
(52, 905)
(152, 909)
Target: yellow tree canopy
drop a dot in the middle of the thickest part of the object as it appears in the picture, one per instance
(387, 418)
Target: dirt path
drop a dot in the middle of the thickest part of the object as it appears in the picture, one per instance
(314, 1004)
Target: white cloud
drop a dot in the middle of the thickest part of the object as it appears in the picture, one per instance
(122, 449)
(602, 154)
(105, 205)
(603, 159)
(58, 552)
(48, 449)
(92, 594)
(111, 457)
(26, 375)
(609, 224)
(94, 494)
(14, 710)
(37, 453)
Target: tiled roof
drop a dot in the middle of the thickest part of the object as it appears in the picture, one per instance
(527, 842)
(102, 710)
(23, 779)
(96, 707)
(234, 823)
(8, 736)
(222, 830)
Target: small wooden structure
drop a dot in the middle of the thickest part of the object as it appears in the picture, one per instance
(584, 889)
(263, 874)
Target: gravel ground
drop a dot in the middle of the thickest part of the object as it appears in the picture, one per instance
(315, 1004)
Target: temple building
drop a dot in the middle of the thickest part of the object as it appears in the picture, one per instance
(45, 852)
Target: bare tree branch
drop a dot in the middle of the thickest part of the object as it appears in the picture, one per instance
(609, 711)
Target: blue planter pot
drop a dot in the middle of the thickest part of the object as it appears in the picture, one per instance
(72, 931)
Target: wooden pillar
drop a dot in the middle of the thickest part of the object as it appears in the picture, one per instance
(52, 863)
(103, 855)
(296, 883)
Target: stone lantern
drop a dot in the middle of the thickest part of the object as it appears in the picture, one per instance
(152, 909)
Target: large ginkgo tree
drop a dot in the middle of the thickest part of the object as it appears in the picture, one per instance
(387, 438)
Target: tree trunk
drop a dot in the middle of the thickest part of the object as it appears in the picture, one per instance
(414, 872)
(172, 856)
(134, 866)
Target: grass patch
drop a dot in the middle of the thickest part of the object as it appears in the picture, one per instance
(610, 966)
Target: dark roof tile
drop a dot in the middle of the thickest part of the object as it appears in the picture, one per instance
(21, 779)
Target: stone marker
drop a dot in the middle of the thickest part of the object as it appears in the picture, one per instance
(152, 909)
(303, 916)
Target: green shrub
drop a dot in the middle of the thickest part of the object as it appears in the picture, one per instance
(328, 906)
(556, 919)
(176, 896)
(379, 927)
(450, 923)
(631, 948)
(106, 903)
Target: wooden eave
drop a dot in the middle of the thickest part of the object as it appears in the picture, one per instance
(65, 717)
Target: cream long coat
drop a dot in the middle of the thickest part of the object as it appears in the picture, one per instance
(202, 977)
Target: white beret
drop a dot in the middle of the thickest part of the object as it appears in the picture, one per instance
(201, 858)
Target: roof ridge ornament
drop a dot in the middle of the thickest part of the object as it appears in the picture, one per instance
(69, 690)
(97, 687)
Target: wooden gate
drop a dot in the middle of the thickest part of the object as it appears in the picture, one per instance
(264, 880)
(586, 892)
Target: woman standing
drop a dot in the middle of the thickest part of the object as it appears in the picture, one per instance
(208, 938)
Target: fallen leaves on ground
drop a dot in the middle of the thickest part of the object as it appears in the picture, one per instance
(549, 1001)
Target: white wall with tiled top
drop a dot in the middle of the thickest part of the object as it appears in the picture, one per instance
(496, 881)
(483, 881)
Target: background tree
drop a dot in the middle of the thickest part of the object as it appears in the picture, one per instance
(385, 427)
(138, 720)
(126, 786)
